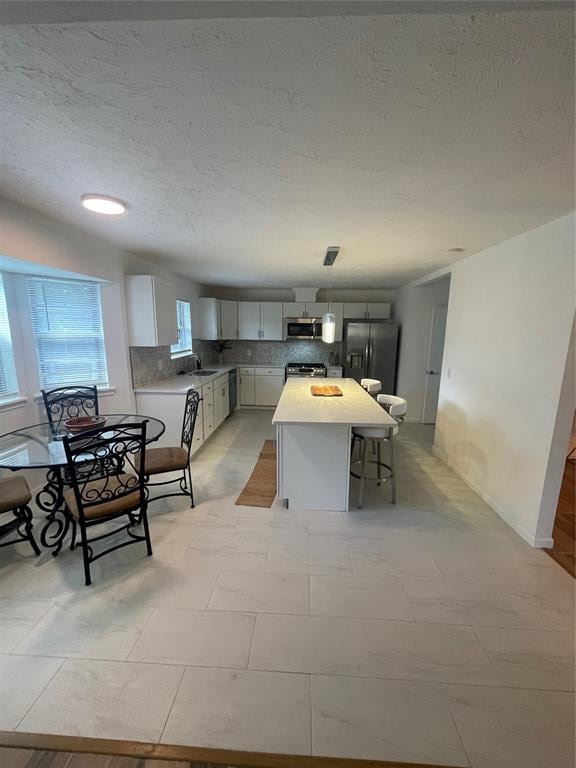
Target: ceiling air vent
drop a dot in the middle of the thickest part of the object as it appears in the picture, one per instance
(331, 254)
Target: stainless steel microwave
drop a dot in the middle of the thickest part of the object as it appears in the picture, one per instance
(302, 328)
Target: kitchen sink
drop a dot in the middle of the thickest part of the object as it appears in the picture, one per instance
(202, 373)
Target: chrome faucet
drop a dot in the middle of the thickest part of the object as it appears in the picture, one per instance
(193, 356)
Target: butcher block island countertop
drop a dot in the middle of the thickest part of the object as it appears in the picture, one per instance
(356, 408)
(313, 441)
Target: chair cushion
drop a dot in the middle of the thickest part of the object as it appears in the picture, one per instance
(159, 460)
(112, 506)
(374, 433)
(14, 493)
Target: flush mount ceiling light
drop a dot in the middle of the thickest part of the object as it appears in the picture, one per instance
(108, 206)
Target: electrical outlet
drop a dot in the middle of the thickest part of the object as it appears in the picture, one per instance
(160, 365)
(248, 353)
(449, 375)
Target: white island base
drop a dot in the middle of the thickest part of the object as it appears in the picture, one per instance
(314, 436)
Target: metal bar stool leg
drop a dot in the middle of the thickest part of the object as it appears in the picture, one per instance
(378, 461)
(364, 450)
(392, 470)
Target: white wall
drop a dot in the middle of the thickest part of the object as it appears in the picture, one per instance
(44, 243)
(510, 317)
(413, 310)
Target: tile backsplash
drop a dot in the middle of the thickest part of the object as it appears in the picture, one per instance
(282, 352)
(151, 364)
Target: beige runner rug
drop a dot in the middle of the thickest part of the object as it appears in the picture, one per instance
(260, 490)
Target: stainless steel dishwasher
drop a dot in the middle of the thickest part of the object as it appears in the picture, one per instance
(233, 389)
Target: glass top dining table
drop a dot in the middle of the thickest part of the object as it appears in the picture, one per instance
(41, 446)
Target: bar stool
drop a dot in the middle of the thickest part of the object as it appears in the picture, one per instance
(372, 386)
(14, 497)
(397, 408)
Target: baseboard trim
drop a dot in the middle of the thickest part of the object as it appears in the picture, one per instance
(536, 542)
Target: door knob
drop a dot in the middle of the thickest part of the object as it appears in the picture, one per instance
(433, 373)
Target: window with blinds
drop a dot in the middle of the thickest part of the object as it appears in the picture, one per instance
(8, 380)
(67, 325)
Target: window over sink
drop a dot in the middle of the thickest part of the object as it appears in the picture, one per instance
(184, 345)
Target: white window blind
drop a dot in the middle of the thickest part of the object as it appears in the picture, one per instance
(184, 344)
(67, 326)
(8, 380)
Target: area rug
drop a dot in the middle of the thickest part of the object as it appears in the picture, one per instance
(260, 490)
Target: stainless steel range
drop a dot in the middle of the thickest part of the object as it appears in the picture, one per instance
(308, 370)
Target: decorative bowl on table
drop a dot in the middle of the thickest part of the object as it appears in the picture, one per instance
(84, 423)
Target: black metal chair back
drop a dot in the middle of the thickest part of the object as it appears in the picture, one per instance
(105, 465)
(190, 412)
(70, 402)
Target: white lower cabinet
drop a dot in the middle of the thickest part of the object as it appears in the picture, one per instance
(169, 409)
(260, 387)
(246, 386)
(268, 390)
(208, 415)
(268, 387)
(221, 400)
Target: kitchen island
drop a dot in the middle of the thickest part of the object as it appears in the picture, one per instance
(314, 435)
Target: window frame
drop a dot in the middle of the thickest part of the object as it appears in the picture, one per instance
(14, 396)
(176, 350)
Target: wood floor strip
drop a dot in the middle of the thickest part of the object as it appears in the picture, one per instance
(81, 752)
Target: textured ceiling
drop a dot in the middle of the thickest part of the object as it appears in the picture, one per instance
(247, 146)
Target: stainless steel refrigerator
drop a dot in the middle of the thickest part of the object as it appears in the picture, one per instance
(370, 351)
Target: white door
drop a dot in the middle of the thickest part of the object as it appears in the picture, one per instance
(229, 319)
(434, 369)
(249, 320)
(271, 320)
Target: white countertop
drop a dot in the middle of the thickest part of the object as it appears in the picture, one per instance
(355, 408)
(179, 385)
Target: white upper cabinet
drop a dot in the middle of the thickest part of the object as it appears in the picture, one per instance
(229, 319)
(300, 309)
(151, 307)
(271, 323)
(260, 320)
(210, 319)
(354, 310)
(294, 309)
(378, 310)
(249, 320)
(372, 310)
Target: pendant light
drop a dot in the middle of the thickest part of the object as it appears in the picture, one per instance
(329, 319)
(329, 328)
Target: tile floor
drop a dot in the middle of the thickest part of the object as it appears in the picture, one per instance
(424, 632)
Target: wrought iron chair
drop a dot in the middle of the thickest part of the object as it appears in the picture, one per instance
(162, 460)
(14, 497)
(69, 402)
(96, 497)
